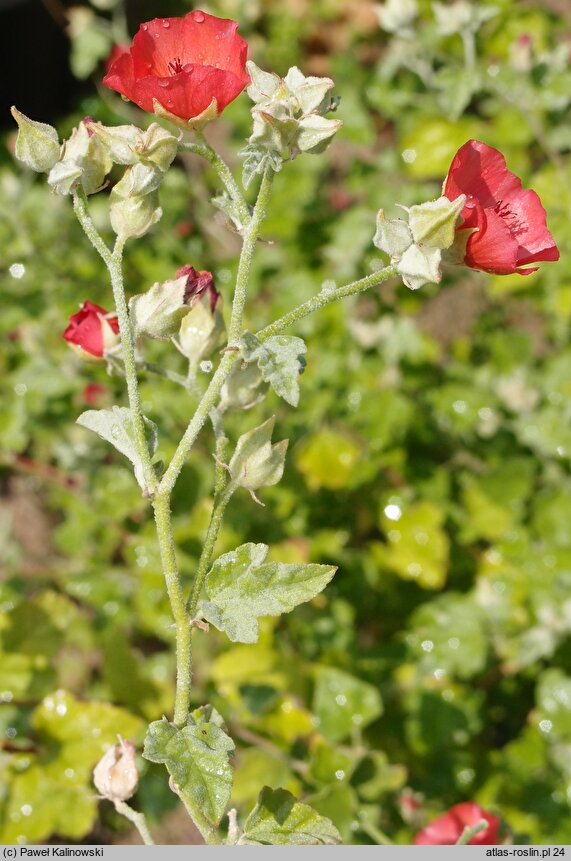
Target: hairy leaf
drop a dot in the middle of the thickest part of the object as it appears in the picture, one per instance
(116, 426)
(279, 819)
(240, 588)
(197, 758)
(281, 361)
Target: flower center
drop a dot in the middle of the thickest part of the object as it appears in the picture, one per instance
(175, 66)
(506, 214)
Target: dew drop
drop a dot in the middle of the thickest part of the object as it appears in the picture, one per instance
(115, 432)
(198, 16)
(341, 699)
(145, 27)
(163, 82)
(206, 366)
(166, 23)
(17, 270)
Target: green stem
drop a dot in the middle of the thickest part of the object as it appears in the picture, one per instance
(326, 297)
(179, 379)
(204, 150)
(82, 213)
(114, 262)
(161, 505)
(245, 264)
(471, 831)
(138, 820)
(220, 503)
(231, 356)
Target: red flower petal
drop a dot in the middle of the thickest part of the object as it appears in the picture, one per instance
(480, 171)
(510, 222)
(183, 63)
(447, 829)
(85, 328)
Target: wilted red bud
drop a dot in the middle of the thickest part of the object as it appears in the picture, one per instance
(92, 330)
(197, 284)
(447, 829)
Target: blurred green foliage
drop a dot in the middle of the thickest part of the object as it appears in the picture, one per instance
(429, 460)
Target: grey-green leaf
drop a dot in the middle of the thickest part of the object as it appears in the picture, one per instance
(116, 426)
(279, 819)
(281, 361)
(197, 758)
(241, 588)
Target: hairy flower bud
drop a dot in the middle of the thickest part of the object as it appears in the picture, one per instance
(398, 16)
(115, 776)
(256, 462)
(37, 144)
(85, 161)
(289, 113)
(129, 145)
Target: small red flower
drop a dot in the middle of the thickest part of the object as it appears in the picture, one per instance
(93, 393)
(92, 330)
(185, 64)
(197, 285)
(448, 828)
(508, 222)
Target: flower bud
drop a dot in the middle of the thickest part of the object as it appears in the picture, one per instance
(134, 216)
(398, 16)
(256, 462)
(85, 160)
(92, 332)
(201, 331)
(129, 145)
(289, 112)
(37, 144)
(244, 388)
(115, 776)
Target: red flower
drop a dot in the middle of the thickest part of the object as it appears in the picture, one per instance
(197, 284)
(187, 65)
(92, 330)
(447, 829)
(508, 221)
(93, 393)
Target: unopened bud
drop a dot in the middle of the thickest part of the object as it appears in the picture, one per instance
(201, 331)
(37, 144)
(115, 776)
(85, 160)
(244, 388)
(398, 16)
(256, 462)
(134, 216)
(158, 312)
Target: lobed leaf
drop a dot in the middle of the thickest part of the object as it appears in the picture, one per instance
(278, 819)
(281, 361)
(240, 589)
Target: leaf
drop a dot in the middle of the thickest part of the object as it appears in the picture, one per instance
(240, 588)
(196, 757)
(281, 361)
(278, 819)
(116, 426)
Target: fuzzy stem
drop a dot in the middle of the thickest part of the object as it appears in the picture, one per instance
(326, 297)
(138, 820)
(218, 510)
(204, 150)
(114, 263)
(229, 359)
(161, 505)
(470, 831)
